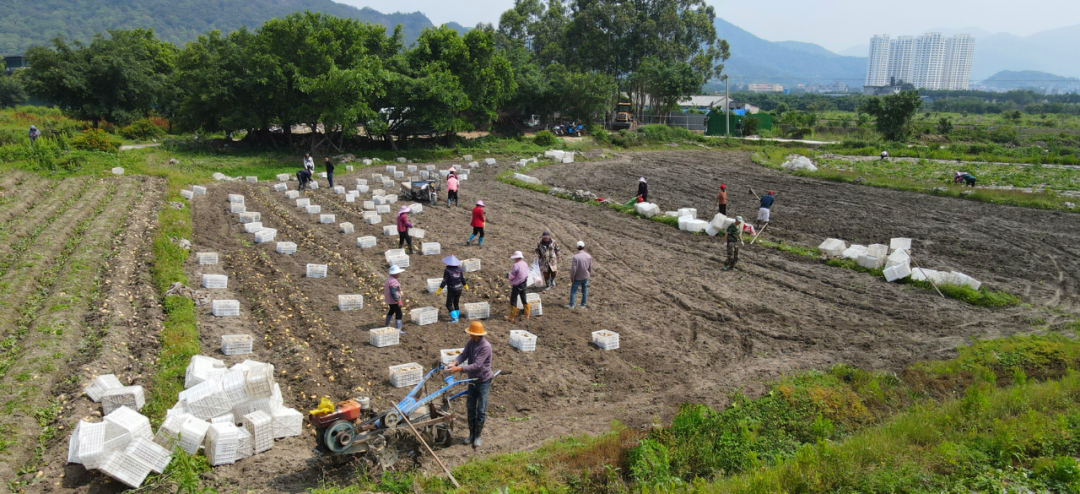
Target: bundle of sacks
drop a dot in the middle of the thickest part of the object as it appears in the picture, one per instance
(894, 260)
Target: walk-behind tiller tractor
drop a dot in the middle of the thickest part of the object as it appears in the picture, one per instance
(348, 428)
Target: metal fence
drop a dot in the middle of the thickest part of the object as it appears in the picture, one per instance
(688, 121)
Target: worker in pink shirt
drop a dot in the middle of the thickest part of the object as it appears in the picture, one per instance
(519, 278)
(451, 188)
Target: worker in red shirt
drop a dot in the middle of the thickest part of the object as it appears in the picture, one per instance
(478, 223)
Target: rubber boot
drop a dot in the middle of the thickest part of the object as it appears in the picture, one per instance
(476, 435)
(527, 307)
(469, 241)
(398, 325)
(454, 315)
(480, 243)
(513, 314)
(408, 249)
(472, 432)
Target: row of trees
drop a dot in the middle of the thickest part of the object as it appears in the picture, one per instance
(340, 75)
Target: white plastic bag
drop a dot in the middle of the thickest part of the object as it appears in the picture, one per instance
(536, 278)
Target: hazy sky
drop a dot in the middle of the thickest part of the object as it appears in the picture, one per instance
(835, 24)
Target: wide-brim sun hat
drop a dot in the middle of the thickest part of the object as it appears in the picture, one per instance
(396, 270)
(642, 179)
(480, 203)
(476, 329)
(404, 209)
(517, 255)
(451, 261)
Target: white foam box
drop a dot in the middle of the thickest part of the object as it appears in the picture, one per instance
(684, 221)
(313, 209)
(283, 177)
(206, 258)
(303, 202)
(423, 316)
(252, 180)
(897, 272)
(899, 256)
(102, 384)
(477, 310)
(380, 337)
(350, 302)
(292, 194)
(880, 251)
(327, 218)
(373, 219)
(261, 427)
(406, 374)
(648, 210)
(833, 247)
(448, 356)
(369, 205)
(225, 308)
(920, 274)
(522, 340)
(235, 198)
(417, 233)
(401, 260)
(313, 185)
(606, 340)
(127, 396)
(198, 190)
(962, 279)
(149, 452)
(471, 164)
(187, 194)
(222, 444)
(366, 242)
(346, 227)
(899, 243)
(691, 212)
(236, 344)
(338, 189)
(696, 226)
(125, 468)
(389, 230)
(237, 208)
(869, 262)
(287, 422)
(316, 271)
(430, 248)
(265, 235)
(489, 161)
(207, 400)
(854, 251)
(382, 209)
(282, 187)
(286, 248)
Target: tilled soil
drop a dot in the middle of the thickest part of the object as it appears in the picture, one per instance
(689, 333)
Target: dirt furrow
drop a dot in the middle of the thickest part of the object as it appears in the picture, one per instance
(20, 233)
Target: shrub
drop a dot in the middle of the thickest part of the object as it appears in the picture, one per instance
(142, 130)
(545, 138)
(96, 140)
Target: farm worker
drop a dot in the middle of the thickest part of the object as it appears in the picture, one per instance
(451, 188)
(732, 236)
(766, 205)
(392, 296)
(884, 155)
(965, 177)
(519, 281)
(329, 170)
(453, 281)
(403, 226)
(478, 222)
(547, 251)
(303, 176)
(643, 189)
(475, 361)
(721, 199)
(580, 270)
(33, 134)
(309, 162)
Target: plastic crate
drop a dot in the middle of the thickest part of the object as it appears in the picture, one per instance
(366, 242)
(125, 468)
(316, 271)
(192, 434)
(326, 218)
(286, 248)
(338, 189)
(244, 448)
(168, 435)
(424, 315)
(417, 233)
(208, 400)
(287, 422)
(430, 248)
(260, 380)
(227, 418)
(361, 181)
(314, 209)
(198, 190)
(447, 356)
(522, 340)
(350, 302)
(292, 194)
(222, 443)
(477, 310)
(390, 199)
(393, 252)
(382, 337)
(313, 185)
(416, 208)
(127, 396)
(433, 284)
(252, 180)
(606, 340)
(303, 202)
(389, 230)
(350, 197)
(250, 217)
(283, 177)
(261, 427)
(363, 188)
(382, 208)
(89, 444)
(223, 308)
(213, 281)
(393, 168)
(236, 344)
(234, 385)
(282, 187)
(253, 227)
(100, 385)
(237, 208)
(429, 168)
(372, 219)
(206, 258)
(187, 194)
(401, 260)
(470, 265)
(150, 453)
(536, 308)
(406, 374)
(124, 420)
(346, 227)
(410, 168)
(265, 235)
(424, 174)
(235, 198)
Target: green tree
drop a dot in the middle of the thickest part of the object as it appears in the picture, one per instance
(581, 95)
(118, 78)
(944, 126)
(893, 113)
(12, 90)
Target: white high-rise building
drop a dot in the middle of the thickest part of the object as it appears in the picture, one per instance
(929, 61)
(878, 64)
(958, 52)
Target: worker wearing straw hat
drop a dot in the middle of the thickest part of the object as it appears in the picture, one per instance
(403, 226)
(475, 361)
(453, 281)
(519, 281)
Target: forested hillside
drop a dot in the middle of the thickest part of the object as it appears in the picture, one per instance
(25, 23)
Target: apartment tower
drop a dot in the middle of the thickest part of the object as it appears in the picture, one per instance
(929, 61)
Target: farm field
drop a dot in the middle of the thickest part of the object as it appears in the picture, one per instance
(689, 333)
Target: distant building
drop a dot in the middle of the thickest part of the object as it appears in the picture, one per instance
(15, 62)
(929, 61)
(880, 90)
(765, 88)
(703, 102)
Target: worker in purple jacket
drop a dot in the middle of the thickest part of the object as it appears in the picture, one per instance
(519, 278)
(475, 361)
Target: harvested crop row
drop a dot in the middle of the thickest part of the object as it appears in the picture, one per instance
(17, 237)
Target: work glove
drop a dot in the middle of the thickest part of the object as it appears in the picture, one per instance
(438, 292)
(466, 288)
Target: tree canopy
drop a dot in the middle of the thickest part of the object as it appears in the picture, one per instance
(893, 113)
